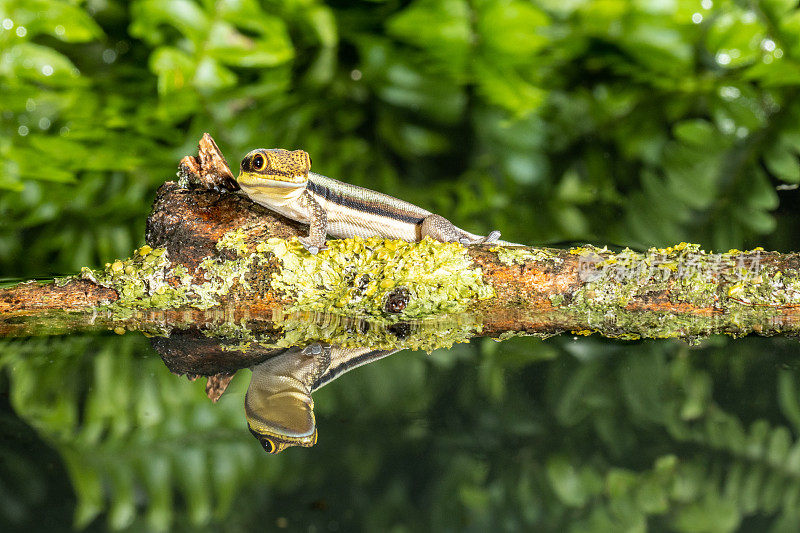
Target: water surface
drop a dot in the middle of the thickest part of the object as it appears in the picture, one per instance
(563, 433)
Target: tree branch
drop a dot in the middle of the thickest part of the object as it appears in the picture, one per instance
(210, 250)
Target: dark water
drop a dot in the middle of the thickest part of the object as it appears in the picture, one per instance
(560, 434)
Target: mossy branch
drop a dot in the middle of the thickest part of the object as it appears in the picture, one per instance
(211, 250)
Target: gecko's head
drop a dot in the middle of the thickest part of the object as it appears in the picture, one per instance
(274, 168)
(280, 416)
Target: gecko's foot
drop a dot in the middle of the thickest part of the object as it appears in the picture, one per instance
(312, 246)
(312, 349)
(493, 236)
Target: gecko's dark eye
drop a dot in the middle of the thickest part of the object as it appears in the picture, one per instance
(268, 446)
(258, 162)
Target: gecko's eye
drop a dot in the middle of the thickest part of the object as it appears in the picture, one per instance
(258, 162)
(269, 447)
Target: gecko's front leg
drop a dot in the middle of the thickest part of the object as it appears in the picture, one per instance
(317, 224)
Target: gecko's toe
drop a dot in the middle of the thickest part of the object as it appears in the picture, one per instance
(312, 349)
(313, 246)
(493, 236)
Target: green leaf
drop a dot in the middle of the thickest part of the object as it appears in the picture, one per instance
(242, 13)
(660, 48)
(37, 63)
(566, 481)
(30, 166)
(174, 68)
(211, 75)
(403, 84)
(777, 8)
(271, 48)
(710, 514)
(735, 37)
(88, 487)
(756, 219)
(322, 19)
(60, 19)
(507, 89)
(781, 162)
(692, 174)
(783, 72)
(440, 26)
(511, 30)
(184, 15)
(696, 132)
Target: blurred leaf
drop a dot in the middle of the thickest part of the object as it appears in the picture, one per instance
(783, 163)
(60, 19)
(174, 67)
(272, 47)
(695, 132)
(736, 38)
(440, 26)
(511, 29)
(508, 89)
(37, 63)
(184, 15)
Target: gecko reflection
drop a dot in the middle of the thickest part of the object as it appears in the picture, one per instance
(278, 404)
(278, 407)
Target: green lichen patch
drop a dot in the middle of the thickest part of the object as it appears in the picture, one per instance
(148, 280)
(512, 334)
(352, 276)
(142, 280)
(737, 287)
(516, 255)
(300, 329)
(291, 329)
(684, 271)
(232, 331)
(355, 276)
(221, 275)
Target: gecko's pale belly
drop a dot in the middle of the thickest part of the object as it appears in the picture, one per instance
(342, 224)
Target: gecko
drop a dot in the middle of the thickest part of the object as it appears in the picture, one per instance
(282, 181)
(278, 403)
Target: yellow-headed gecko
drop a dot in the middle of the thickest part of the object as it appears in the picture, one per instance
(282, 181)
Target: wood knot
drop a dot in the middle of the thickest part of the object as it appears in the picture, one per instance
(401, 330)
(397, 300)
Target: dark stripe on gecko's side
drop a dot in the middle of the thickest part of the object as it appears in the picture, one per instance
(335, 372)
(364, 206)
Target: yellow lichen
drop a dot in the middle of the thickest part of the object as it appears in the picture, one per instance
(510, 255)
(356, 276)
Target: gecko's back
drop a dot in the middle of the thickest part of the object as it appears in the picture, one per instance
(354, 210)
